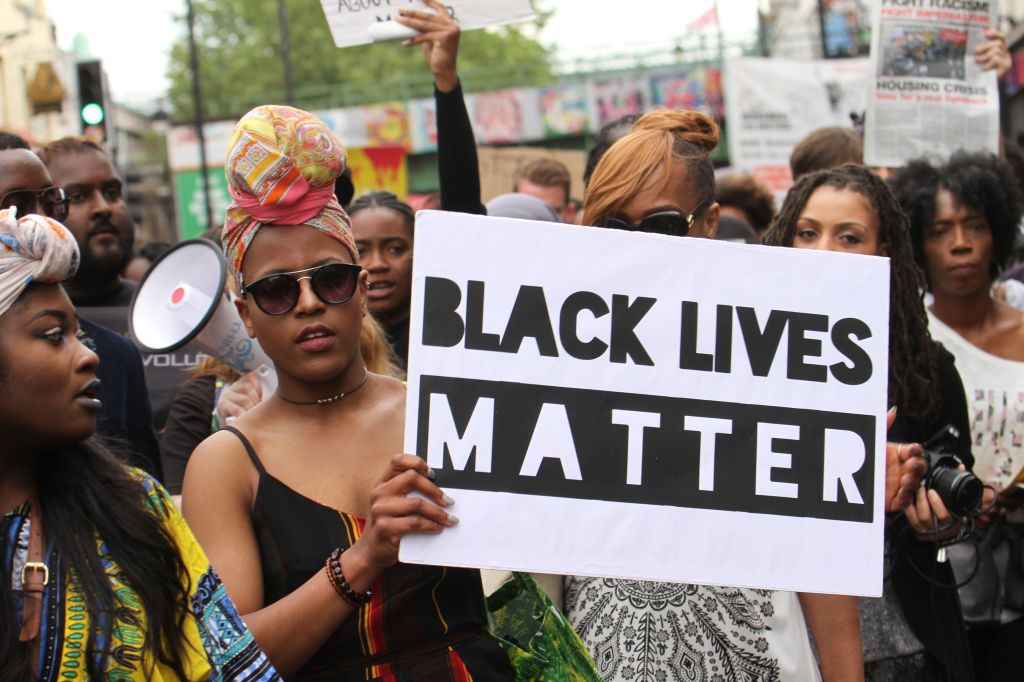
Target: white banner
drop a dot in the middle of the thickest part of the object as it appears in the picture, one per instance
(351, 20)
(928, 95)
(615, 404)
(770, 104)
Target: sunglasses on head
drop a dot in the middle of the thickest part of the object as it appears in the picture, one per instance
(52, 200)
(278, 293)
(671, 223)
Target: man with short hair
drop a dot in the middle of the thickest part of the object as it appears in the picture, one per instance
(125, 417)
(549, 181)
(97, 216)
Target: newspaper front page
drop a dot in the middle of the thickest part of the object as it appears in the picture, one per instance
(928, 95)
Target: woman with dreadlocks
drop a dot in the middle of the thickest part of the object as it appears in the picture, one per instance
(850, 210)
(660, 179)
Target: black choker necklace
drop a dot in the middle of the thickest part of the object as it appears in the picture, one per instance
(332, 399)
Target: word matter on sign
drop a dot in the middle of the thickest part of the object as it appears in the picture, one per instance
(620, 447)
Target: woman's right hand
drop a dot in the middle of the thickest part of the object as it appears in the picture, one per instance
(394, 513)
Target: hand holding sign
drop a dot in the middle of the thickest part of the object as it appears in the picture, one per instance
(993, 53)
(904, 469)
(439, 35)
(352, 22)
(394, 513)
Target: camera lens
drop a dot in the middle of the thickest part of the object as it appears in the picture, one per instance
(961, 491)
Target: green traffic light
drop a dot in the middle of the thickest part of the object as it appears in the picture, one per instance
(92, 114)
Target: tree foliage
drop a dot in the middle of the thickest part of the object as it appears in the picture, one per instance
(240, 55)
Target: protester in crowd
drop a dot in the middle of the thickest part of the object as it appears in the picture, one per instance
(97, 216)
(344, 190)
(101, 222)
(100, 578)
(851, 210)
(301, 503)
(549, 181)
(522, 206)
(144, 257)
(741, 196)
(737, 230)
(609, 134)
(659, 179)
(124, 419)
(825, 148)
(383, 228)
(964, 216)
(215, 395)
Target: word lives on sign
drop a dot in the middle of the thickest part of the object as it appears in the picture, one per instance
(615, 404)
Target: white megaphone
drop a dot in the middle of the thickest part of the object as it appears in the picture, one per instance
(181, 299)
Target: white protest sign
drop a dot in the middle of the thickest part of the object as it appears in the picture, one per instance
(771, 104)
(614, 404)
(928, 95)
(351, 20)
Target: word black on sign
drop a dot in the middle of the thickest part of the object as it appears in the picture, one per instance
(622, 447)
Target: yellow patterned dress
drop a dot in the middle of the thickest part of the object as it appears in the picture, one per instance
(218, 644)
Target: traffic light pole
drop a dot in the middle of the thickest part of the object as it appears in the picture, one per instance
(197, 96)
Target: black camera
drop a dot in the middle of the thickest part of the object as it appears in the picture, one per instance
(960, 491)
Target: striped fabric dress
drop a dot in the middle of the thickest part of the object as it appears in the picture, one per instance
(424, 622)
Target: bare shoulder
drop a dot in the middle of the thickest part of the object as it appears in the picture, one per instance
(387, 397)
(219, 461)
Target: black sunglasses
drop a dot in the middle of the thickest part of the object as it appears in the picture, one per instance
(278, 293)
(663, 222)
(52, 200)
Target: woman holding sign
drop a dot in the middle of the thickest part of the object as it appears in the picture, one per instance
(915, 631)
(659, 179)
(302, 504)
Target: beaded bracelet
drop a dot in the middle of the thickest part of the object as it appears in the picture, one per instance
(333, 568)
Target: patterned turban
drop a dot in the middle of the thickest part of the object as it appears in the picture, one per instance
(281, 167)
(32, 249)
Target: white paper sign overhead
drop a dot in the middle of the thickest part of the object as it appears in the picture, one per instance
(351, 21)
(607, 403)
(928, 96)
(771, 104)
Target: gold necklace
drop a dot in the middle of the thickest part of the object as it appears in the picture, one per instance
(327, 401)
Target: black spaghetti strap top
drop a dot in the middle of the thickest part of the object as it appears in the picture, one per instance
(423, 623)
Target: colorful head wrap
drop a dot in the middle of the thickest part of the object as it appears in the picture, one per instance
(32, 249)
(281, 167)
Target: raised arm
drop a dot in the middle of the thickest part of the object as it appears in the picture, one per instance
(457, 165)
(217, 504)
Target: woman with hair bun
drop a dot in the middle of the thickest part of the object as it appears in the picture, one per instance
(659, 179)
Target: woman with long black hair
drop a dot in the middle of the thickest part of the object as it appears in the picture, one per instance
(915, 631)
(99, 575)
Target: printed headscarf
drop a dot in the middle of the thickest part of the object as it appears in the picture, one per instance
(281, 167)
(33, 248)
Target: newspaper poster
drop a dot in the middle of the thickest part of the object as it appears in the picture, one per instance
(354, 22)
(607, 403)
(770, 104)
(928, 95)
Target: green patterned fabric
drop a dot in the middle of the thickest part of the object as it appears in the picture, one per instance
(539, 641)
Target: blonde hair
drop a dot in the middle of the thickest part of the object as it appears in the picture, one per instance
(658, 139)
